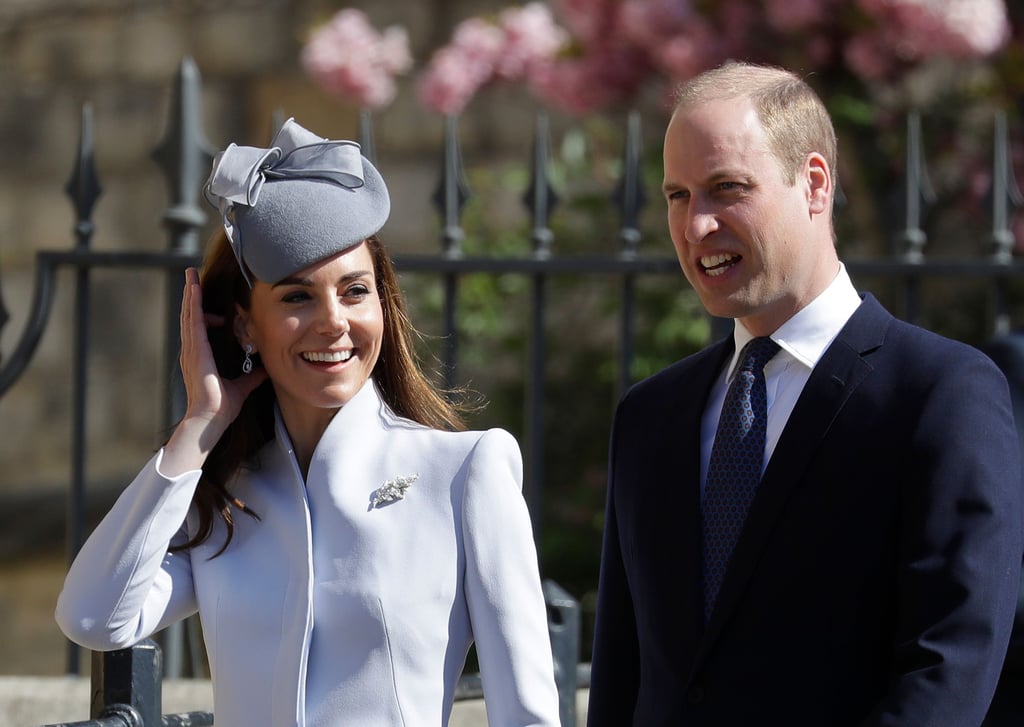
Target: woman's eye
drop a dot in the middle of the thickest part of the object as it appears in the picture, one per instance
(357, 291)
(295, 296)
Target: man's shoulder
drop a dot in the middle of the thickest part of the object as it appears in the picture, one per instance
(685, 375)
(928, 345)
(899, 335)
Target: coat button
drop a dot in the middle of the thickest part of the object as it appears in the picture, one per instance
(695, 695)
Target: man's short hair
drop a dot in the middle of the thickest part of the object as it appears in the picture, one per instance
(793, 116)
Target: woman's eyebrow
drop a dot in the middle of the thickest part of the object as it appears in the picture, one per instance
(308, 282)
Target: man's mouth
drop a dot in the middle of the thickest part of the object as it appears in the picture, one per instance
(715, 265)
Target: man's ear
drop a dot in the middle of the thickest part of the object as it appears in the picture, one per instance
(819, 184)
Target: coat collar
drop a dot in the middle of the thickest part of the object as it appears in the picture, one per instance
(362, 410)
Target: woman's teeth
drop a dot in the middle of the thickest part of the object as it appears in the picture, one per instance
(330, 357)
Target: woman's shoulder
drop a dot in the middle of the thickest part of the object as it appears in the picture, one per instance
(468, 440)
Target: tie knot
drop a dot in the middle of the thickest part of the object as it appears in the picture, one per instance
(757, 353)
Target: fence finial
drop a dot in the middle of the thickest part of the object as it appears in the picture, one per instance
(451, 193)
(83, 187)
(540, 198)
(630, 191)
(185, 156)
(920, 193)
(1005, 192)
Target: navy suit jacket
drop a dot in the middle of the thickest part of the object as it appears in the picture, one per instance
(876, 576)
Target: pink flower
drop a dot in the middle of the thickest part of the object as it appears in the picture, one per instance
(482, 52)
(646, 23)
(449, 82)
(687, 54)
(603, 76)
(738, 27)
(458, 70)
(790, 16)
(348, 58)
(867, 56)
(531, 36)
(588, 20)
(919, 29)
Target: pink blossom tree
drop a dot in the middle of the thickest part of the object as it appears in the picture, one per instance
(584, 56)
(513, 47)
(604, 51)
(351, 60)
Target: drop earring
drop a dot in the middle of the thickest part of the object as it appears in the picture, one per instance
(247, 364)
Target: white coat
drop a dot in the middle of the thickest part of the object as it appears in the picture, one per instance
(331, 610)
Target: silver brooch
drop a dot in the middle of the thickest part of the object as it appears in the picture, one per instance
(393, 490)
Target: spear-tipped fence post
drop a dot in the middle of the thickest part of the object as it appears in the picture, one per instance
(564, 627)
(449, 199)
(1006, 195)
(630, 198)
(919, 195)
(367, 145)
(84, 190)
(541, 200)
(184, 156)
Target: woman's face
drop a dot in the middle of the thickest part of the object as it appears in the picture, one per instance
(318, 333)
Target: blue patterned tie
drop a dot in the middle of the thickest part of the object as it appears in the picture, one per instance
(734, 469)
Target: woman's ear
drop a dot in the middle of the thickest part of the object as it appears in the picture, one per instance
(241, 327)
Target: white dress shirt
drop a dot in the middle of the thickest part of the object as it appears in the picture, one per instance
(803, 340)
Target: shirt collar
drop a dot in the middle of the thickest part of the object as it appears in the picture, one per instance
(809, 332)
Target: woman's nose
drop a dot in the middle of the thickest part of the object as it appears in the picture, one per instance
(332, 319)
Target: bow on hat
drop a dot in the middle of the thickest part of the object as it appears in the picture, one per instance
(239, 172)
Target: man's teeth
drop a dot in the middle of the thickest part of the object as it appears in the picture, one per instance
(331, 357)
(716, 264)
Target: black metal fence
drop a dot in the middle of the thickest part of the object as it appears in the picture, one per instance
(127, 691)
(184, 157)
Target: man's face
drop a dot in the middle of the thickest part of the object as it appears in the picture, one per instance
(753, 246)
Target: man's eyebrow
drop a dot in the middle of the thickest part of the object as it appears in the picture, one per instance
(670, 187)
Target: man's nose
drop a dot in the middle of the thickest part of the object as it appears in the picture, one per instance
(701, 221)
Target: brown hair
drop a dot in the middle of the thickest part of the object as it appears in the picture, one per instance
(402, 384)
(794, 118)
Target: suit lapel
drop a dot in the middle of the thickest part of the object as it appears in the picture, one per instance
(832, 382)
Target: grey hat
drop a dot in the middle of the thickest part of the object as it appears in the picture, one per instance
(302, 200)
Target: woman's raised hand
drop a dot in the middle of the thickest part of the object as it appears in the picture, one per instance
(213, 402)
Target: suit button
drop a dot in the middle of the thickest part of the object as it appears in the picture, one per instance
(695, 695)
